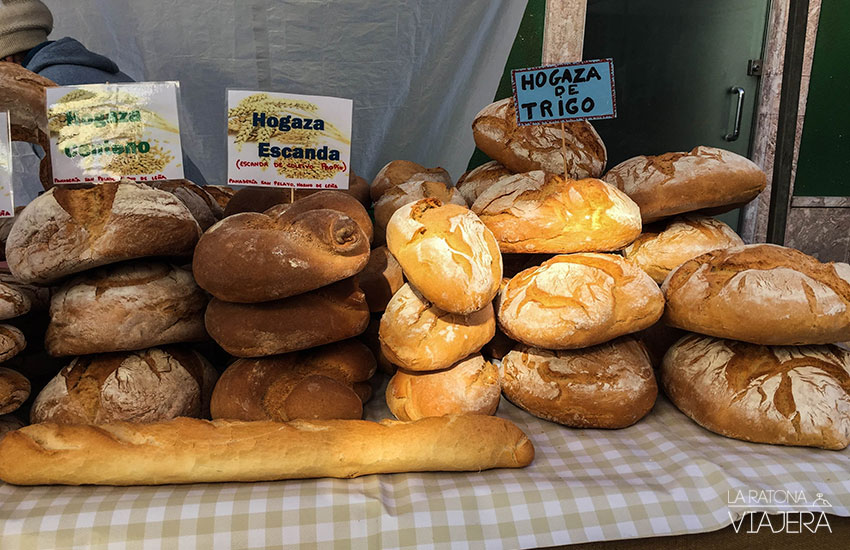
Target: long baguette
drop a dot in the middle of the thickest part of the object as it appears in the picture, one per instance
(186, 450)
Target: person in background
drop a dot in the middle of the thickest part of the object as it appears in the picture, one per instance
(24, 28)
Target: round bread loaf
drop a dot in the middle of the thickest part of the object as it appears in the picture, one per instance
(674, 183)
(545, 213)
(124, 307)
(14, 390)
(766, 394)
(329, 200)
(14, 302)
(328, 314)
(527, 148)
(254, 257)
(138, 386)
(611, 385)
(401, 171)
(381, 278)
(312, 384)
(470, 386)
(67, 230)
(472, 183)
(419, 336)
(38, 297)
(578, 300)
(9, 423)
(412, 191)
(12, 342)
(762, 294)
(221, 194)
(204, 208)
(447, 254)
(660, 249)
(5, 228)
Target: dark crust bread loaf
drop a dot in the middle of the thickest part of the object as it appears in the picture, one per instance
(474, 182)
(762, 294)
(14, 390)
(221, 194)
(12, 342)
(14, 301)
(260, 199)
(329, 200)
(203, 206)
(783, 395)
(380, 279)
(611, 385)
(328, 314)
(401, 171)
(312, 384)
(674, 183)
(67, 230)
(527, 148)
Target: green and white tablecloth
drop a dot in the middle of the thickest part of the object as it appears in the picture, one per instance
(666, 475)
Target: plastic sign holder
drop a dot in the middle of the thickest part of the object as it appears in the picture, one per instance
(7, 203)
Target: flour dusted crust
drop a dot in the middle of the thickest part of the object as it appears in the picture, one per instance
(660, 249)
(470, 386)
(127, 306)
(418, 336)
(610, 385)
(14, 390)
(785, 395)
(68, 230)
(674, 183)
(14, 301)
(140, 386)
(401, 171)
(762, 294)
(578, 300)
(412, 191)
(447, 254)
(527, 148)
(471, 184)
(546, 213)
(12, 342)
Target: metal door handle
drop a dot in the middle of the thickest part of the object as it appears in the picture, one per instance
(739, 112)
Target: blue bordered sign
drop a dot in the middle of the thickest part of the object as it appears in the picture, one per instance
(560, 93)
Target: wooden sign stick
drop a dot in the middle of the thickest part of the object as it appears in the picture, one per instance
(291, 195)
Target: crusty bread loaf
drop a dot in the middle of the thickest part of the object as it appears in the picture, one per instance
(254, 257)
(546, 213)
(578, 300)
(401, 171)
(12, 342)
(329, 200)
(418, 336)
(14, 390)
(9, 423)
(328, 314)
(186, 450)
(13, 301)
(762, 294)
(313, 384)
(663, 247)
(411, 191)
(381, 278)
(260, 199)
(611, 385)
(470, 386)
(527, 148)
(674, 183)
(204, 208)
(6, 227)
(128, 306)
(474, 182)
(221, 194)
(782, 395)
(138, 386)
(37, 296)
(447, 254)
(67, 230)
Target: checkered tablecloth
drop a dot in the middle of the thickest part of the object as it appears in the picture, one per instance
(663, 476)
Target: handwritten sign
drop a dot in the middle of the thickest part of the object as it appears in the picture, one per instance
(559, 93)
(105, 132)
(7, 204)
(288, 140)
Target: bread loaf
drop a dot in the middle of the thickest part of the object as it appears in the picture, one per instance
(204, 208)
(138, 386)
(447, 254)
(578, 300)
(253, 257)
(9, 423)
(14, 390)
(674, 183)
(381, 278)
(12, 342)
(221, 194)
(545, 213)
(470, 386)
(311, 384)
(611, 385)
(474, 182)
(186, 450)
(126, 306)
(328, 314)
(412, 191)
(5, 228)
(762, 294)
(260, 199)
(329, 200)
(38, 297)
(527, 148)
(781, 395)
(67, 230)
(13, 301)
(660, 249)
(418, 336)
(401, 171)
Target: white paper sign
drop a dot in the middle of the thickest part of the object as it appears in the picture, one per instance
(288, 140)
(105, 132)
(7, 204)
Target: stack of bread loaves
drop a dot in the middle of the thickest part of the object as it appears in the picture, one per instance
(15, 300)
(117, 305)
(286, 302)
